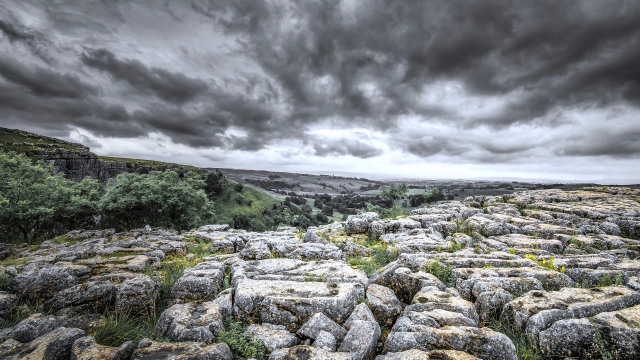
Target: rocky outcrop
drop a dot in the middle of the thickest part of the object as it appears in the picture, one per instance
(559, 268)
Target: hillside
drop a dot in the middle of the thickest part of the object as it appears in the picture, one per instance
(76, 161)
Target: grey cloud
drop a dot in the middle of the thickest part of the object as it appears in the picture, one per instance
(604, 143)
(44, 82)
(33, 40)
(341, 147)
(170, 86)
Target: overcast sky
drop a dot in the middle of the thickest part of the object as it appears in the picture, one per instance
(434, 89)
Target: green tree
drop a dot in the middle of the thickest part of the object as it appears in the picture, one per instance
(394, 193)
(158, 199)
(81, 209)
(30, 196)
(434, 195)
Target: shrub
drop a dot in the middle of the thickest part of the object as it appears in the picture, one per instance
(442, 271)
(238, 187)
(241, 345)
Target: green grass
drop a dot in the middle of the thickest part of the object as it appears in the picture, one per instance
(241, 345)
(201, 250)
(119, 254)
(118, 328)
(545, 263)
(26, 309)
(381, 257)
(525, 350)
(442, 271)
(15, 261)
(65, 240)
(146, 163)
(16, 140)
(254, 202)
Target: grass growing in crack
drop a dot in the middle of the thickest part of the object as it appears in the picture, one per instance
(525, 350)
(241, 345)
(381, 257)
(442, 271)
(172, 269)
(201, 250)
(26, 309)
(454, 246)
(545, 263)
(363, 300)
(118, 328)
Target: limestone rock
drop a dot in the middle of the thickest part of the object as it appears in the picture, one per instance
(360, 313)
(325, 341)
(361, 339)
(54, 345)
(151, 350)
(8, 303)
(292, 303)
(305, 352)
(86, 348)
(384, 304)
(272, 336)
(320, 322)
(200, 283)
(427, 355)
(38, 281)
(201, 322)
(138, 295)
(482, 343)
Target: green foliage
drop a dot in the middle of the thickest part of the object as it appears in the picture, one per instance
(363, 300)
(525, 349)
(172, 269)
(383, 213)
(37, 204)
(255, 204)
(118, 328)
(606, 281)
(200, 250)
(513, 251)
(454, 246)
(584, 284)
(241, 345)
(442, 271)
(5, 282)
(619, 280)
(394, 193)
(578, 244)
(434, 195)
(381, 257)
(544, 263)
(162, 199)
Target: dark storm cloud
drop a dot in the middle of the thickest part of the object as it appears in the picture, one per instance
(349, 66)
(33, 40)
(42, 81)
(561, 53)
(170, 86)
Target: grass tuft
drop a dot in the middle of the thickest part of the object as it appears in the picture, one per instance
(442, 271)
(525, 350)
(118, 328)
(381, 257)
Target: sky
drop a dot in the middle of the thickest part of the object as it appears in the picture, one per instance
(424, 89)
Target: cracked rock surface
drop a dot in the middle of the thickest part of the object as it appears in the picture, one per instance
(558, 268)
